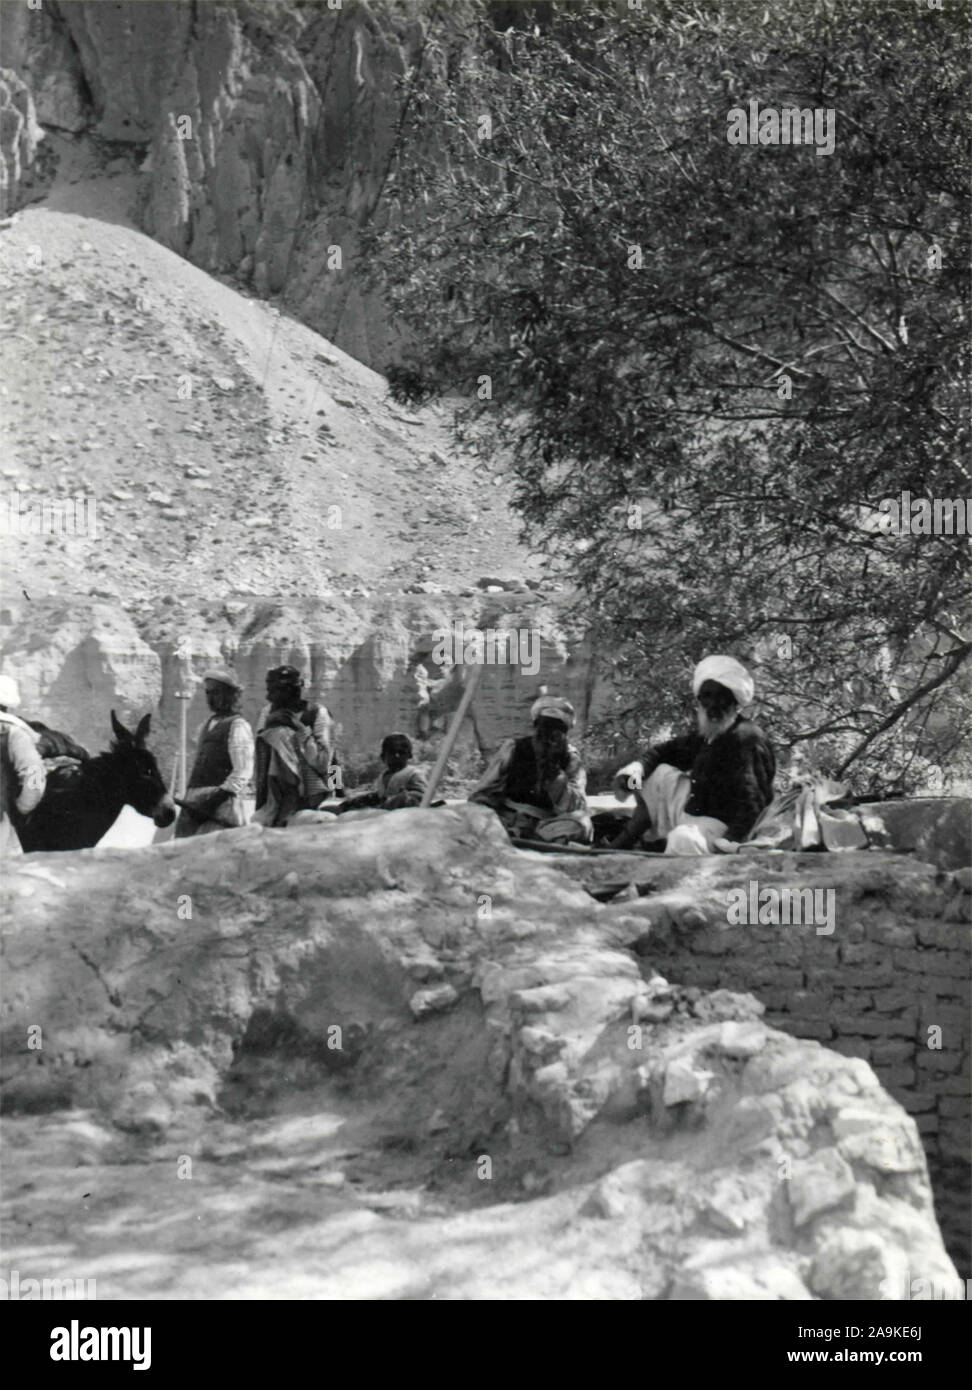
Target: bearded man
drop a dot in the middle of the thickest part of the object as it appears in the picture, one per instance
(703, 791)
(537, 784)
(293, 751)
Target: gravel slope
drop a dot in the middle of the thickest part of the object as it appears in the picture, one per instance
(216, 434)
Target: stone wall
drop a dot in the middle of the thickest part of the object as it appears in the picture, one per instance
(890, 983)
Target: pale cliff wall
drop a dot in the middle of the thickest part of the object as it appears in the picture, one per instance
(76, 661)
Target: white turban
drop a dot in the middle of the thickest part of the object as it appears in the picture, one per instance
(553, 707)
(728, 672)
(9, 694)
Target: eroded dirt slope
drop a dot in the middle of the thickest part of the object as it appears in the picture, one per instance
(229, 448)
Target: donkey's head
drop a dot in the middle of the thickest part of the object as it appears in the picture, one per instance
(137, 773)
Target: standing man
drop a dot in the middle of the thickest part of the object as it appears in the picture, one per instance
(223, 768)
(703, 791)
(537, 785)
(22, 775)
(293, 750)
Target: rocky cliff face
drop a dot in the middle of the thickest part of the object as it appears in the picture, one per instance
(436, 1063)
(263, 132)
(19, 135)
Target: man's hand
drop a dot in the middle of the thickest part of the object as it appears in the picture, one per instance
(285, 719)
(638, 825)
(524, 827)
(553, 781)
(627, 779)
(554, 759)
(621, 789)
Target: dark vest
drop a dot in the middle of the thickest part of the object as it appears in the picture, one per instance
(9, 791)
(212, 765)
(521, 779)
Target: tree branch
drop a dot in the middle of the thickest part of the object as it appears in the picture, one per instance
(903, 706)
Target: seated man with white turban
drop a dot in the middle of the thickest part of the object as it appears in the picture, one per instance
(703, 791)
(537, 784)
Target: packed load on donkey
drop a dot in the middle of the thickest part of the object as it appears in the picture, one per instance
(79, 798)
(23, 777)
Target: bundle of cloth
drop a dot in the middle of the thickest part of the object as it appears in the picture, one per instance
(805, 817)
(23, 776)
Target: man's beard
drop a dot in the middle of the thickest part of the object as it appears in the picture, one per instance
(284, 698)
(710, 727)
(551, 759)
(221, 704)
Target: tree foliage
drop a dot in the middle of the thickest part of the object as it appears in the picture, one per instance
(711, 362)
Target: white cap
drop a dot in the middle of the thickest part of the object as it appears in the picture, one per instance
(9, 694)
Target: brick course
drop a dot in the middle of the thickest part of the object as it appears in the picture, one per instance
(893, 967)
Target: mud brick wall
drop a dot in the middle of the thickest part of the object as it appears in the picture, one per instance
(896, 965)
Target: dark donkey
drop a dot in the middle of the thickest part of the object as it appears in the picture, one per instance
(82, 802)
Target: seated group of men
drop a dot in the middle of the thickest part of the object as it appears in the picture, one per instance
(290, 761)
(699, 793)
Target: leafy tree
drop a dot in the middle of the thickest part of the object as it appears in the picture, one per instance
(712, 362)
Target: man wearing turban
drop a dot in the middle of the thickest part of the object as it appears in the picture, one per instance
(704, 790)
(537, 784)
(293, 750)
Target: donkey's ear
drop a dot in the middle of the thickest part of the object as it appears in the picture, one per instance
(142, 732)
(122, 734)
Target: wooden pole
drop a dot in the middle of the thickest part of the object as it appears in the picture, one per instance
(183, 696)
(448, 743)
(550, 847)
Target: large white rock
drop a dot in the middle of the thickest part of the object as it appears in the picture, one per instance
(240, 1010)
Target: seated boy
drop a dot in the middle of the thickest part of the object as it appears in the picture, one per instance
(400, 784)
